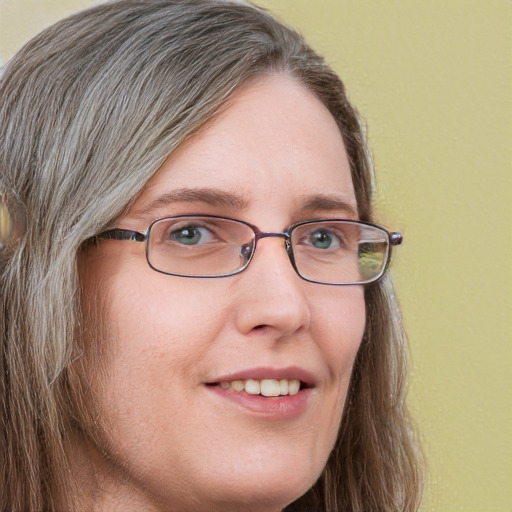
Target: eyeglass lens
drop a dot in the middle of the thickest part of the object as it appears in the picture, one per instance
(335, 252)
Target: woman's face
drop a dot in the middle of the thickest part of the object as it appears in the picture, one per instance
(176, 439)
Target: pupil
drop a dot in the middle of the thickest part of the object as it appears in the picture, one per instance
(188, 235)
(321, 239)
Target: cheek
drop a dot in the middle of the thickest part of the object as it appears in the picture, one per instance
(340, 318)
(154, 337)
(339, 328)
(159, 328)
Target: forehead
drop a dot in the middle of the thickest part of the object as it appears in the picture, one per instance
(274, 146)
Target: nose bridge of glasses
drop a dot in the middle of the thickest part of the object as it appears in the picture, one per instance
(274, 234)
(269, 234)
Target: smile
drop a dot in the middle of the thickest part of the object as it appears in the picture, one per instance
(264, 387)
(272, 393)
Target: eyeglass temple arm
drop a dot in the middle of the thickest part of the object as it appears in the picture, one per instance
(122, 234)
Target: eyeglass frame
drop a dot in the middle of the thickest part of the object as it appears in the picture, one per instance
(394, 238)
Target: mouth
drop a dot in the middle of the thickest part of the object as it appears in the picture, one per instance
(270, 388)
(266, 392)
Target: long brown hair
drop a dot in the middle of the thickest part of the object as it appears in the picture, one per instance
(90, 109)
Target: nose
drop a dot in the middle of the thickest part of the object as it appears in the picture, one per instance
(272, 296)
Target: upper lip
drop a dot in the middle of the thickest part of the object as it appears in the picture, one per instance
(259, 373)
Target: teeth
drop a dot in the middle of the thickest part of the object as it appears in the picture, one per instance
(293, 387)
(237, 385)
(270, 387)
(252, 387)
(265, 387)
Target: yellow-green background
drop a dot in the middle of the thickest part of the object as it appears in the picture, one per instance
(433, 79)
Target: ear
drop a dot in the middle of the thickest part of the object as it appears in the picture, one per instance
(7, 224)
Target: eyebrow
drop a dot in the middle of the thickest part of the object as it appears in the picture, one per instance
(222, 198)
(329, 203)
(210, 196)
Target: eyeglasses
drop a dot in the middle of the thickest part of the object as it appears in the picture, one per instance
(325, 251)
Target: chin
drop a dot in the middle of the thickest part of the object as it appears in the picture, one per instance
(265, 490)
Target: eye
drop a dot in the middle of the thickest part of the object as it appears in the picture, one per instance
(324, 239)
(191, 235)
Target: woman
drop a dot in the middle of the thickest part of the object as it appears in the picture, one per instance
(162, 349)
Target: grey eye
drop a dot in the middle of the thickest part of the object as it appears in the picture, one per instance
(191, 235)
(323, 239)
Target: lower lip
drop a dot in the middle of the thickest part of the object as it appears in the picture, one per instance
(284, 407)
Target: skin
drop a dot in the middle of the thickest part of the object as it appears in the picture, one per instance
(172, 444)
